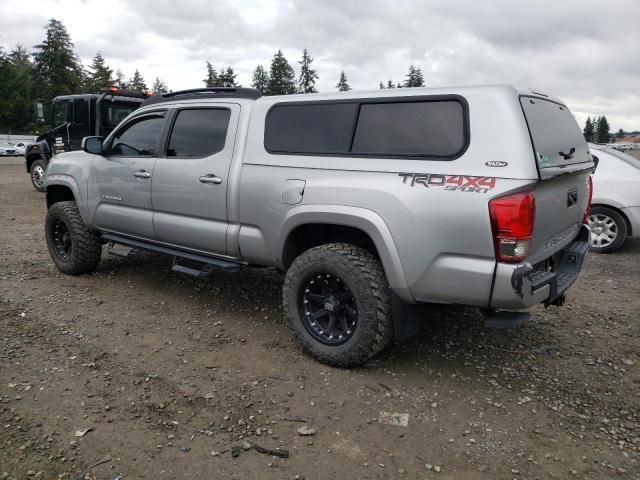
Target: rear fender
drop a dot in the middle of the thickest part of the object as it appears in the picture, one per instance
(363, 219)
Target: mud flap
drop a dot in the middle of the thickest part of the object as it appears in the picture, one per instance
(405, 318)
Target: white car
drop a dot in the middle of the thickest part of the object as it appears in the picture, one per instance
(7, 150)
(20, 147)
(615, 208)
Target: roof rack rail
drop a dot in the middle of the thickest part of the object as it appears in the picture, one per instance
(207, 92)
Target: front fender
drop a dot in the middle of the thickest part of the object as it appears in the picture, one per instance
(366, 220)
(63, 180)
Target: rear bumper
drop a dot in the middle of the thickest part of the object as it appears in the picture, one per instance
(520, 286)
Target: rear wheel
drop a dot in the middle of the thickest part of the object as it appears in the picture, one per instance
(608, 230)
(74, 248)
(37, 170)
(336, 298)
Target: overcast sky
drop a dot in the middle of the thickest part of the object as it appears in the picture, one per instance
(585, 52)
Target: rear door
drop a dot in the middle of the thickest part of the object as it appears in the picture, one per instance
(564, 165)
(189, 191)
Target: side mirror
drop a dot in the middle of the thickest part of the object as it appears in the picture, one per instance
(39, 112)
(92, 145)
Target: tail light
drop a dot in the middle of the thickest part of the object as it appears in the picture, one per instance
(585, 219)
(512, 221)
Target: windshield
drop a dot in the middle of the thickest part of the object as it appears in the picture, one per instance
(556, 137)
(114, 113)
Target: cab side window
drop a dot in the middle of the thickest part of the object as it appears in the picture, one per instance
(199, 133)
(80, 111)
(60, 113)
(140, 137)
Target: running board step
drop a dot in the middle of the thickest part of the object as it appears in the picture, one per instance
(120, 250)
(201, 269)
(184, 262)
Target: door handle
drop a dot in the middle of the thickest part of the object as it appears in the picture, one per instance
(142, 174)
(211, 178)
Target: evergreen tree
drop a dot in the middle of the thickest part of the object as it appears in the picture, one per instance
(137, 83)
(414, 77)
(390, 84)
(603, 130)
(17, 90)
(120, 81)
(308, 76)
(260, 79)
(381, 86)
(281, 76)
(343, 84)
(588, 130)
(620, 133)
(56, 64)
(227, 78)
(100, 75)
(212, 77)
(159, 87)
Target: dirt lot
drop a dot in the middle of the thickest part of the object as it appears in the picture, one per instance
(171, 373)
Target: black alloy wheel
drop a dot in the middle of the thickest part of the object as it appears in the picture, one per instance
(328, 309)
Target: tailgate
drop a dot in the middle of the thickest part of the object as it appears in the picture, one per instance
(564, 165)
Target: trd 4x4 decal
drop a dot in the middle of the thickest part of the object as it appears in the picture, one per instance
(452, 183)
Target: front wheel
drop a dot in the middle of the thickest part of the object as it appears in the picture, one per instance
(608, 230)
(74, 247)
(336, 298)
(37, 170)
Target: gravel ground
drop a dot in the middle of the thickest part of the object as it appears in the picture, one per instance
(181, 378)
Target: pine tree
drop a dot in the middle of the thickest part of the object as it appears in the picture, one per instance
(120, 81)
(227, 78)
(588, 130)
(100, 75)
(281, 76)
(390, 84)
(137, 83)
(17, 91)
(159, 87)
(603, 130)
(620, 133)
(381, 86)
(56, 64)
(260, 79)
(343, 84)
(414, 77)
(308, 76)
(212, 77)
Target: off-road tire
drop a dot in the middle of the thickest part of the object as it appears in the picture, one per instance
(621, 226)
(365, 277)
(37, 164)
(86, 246)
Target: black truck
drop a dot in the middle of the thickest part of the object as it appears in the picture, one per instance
(74, 117)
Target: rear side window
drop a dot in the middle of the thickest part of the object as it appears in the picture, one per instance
(316, 128)
(408, 127)
(199, 132)
(556, 136)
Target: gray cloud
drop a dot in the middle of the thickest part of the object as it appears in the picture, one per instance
(574, 49)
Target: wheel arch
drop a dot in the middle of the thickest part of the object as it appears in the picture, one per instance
(308, 226)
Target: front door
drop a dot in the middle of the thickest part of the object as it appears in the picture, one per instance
(189, 190)
(121, 178)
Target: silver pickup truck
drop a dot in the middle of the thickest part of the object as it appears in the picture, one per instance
(369, 201)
